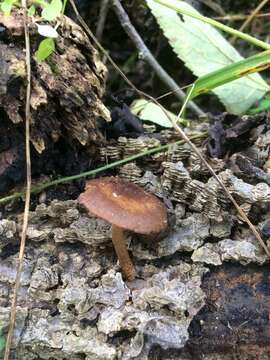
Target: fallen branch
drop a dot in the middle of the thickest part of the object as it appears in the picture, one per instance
(104, 7)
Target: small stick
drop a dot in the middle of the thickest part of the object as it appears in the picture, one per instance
(240, 17)
(28, 185)
(250, 18)
(104, 8)
(145, 54)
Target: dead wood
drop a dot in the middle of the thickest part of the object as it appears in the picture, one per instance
(188, 300)
(66, 101)
(73, 303)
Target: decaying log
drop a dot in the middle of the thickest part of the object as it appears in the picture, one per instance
(236, 317)
(202, 290)
(66, 101)
(74, 304)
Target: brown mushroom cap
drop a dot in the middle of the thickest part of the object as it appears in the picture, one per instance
(124, 204)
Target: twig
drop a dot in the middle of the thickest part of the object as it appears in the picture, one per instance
(253, 14)
(104, 7)
(177, 128)
(28, 184)
(250, 18)
(42, 186)
(240, 17)
(146, 55)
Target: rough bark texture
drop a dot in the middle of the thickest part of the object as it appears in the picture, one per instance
(74, 304)
(66, 105)
(236, 315)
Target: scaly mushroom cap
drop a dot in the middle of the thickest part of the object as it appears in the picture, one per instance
(124, 204)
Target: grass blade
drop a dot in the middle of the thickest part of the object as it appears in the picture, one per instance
(253, 64)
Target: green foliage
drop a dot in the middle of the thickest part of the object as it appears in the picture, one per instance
(31, 11)
(64, 6)
(149, 111)
(264, 104)
(52, 10)
(174, 4)
(232, 72)
(45, 49)
(210, 56)
(7, 5)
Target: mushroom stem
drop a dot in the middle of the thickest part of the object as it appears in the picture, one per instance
(120, 246)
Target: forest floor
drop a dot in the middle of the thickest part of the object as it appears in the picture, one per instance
(202, 288)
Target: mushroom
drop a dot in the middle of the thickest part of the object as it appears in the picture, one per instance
(126, 206)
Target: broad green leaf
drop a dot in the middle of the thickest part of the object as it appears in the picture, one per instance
(244, 36)
(45, 49)
(204, 50)
(149, 111)
(31, 11)
(6, 6)
(52, 10)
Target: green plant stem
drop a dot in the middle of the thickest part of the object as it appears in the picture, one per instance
(43, 186)
(217, 24)
(64, 6)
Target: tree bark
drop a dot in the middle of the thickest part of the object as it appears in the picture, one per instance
(66, 101)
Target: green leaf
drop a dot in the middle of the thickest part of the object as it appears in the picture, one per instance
(52, 10)
(231, 72)
(64, 6)
(149, 111)
(45, 49)
(204, 50)
(31, 11)
(173, 4)
(264, 104)
(6, 6)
